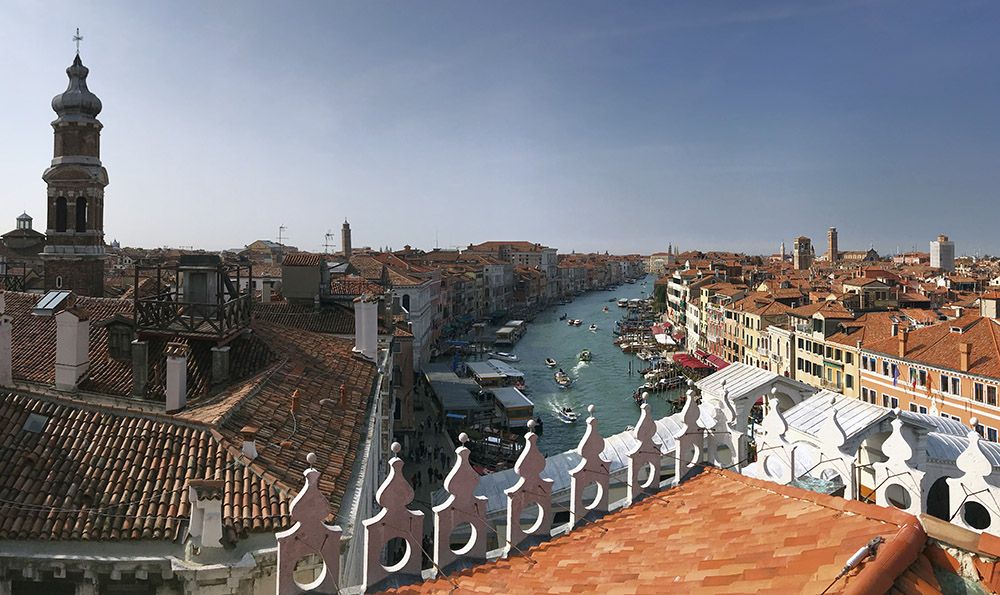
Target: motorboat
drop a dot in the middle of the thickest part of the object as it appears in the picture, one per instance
(622, 302)
(605, 309)
(577, 322)
(550, 362)
(593, 328)
(503, 355)
(563, 379)
(645, 355)
(585, 356)
(567, 415)
(571, 322)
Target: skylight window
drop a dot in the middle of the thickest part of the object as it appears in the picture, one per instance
(52, 302)
(35, 423)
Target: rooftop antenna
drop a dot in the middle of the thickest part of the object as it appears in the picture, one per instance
(436, 245)
(327, 242)
(77, 39)
(281, 234)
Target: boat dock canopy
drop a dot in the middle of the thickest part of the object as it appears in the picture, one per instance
(509, 397)
(485, 371)
(505, 368)
(455, 394)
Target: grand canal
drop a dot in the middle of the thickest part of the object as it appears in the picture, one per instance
(604, 382)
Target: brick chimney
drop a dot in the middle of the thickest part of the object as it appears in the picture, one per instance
(6, 346)
(265, 292)
(366, 326)
(965, 356)
(140, 367)
(72, 348)
(205, 496)
(249, 442)
(177, 355)
(903, 339)
(989, 305)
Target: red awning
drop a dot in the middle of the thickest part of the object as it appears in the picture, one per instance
(717, 362)
(689, 361)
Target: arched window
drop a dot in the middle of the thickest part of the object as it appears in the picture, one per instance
(406, 301)
(81, 214)
(59, 282)
(61, 213)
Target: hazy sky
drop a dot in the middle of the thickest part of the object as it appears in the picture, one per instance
(582, 125)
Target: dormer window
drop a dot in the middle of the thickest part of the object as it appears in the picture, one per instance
(121, 332)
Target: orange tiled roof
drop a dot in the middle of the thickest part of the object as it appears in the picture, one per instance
(301, 259)
(937, 345)
(94, 474)
(719, 532)
(354, 286)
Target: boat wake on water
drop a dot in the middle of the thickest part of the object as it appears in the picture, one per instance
(579, 366)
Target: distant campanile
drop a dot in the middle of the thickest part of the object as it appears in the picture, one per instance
(345, 238)
(74, 251)
(831, 245)
(943, 253)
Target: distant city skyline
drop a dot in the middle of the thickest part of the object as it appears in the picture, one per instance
(585, 126)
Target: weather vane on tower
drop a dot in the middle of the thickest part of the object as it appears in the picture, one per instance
(77, 38)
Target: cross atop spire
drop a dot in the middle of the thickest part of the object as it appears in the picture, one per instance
(77, 39)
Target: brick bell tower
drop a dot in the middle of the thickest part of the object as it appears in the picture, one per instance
(74, 250)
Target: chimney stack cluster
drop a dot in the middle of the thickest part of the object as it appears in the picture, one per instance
(903, 339)
(72, 348)
(177, 356)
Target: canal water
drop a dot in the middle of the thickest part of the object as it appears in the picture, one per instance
(604, 382)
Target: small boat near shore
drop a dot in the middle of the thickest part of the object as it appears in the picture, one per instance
(593, 328)
(563, 379)
(503, 355)
(550, 362)
(585, 356)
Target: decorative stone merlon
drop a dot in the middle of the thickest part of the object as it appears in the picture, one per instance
(972, 487)
(530, 488)
(309, 535)
(644, 455)
(592, 470)
(462, 506)
(899, 470)
(688, 439)
(394, 521)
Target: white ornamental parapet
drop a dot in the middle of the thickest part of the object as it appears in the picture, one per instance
(645, 455)
(775, 458)
(592, 470)
(900, 483)
(394, 521)
(833, 459)
(529, 489)
(722, 442)
(975, 503)
(310, 535)
(462, 507)
(688, 439)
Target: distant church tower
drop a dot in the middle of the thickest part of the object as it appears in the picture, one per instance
(832, 254)
(345, 238)
(782, 251)
(74, 251)
(802, 253)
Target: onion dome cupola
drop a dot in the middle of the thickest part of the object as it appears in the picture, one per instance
(77, 100)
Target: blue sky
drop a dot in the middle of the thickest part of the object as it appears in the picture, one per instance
(582, 125)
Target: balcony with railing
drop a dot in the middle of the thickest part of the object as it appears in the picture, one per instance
(198, 297)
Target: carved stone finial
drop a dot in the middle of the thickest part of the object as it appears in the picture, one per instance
(645, 454)
(309, 535)
(896, 411)
(592, 469)
(395, 520)
(529, 488)
(774, 391)
(973, 422)
(531, 425)
(461, 506)
(311, 459)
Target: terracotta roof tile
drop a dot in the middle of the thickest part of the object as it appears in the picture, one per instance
(716, 533)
